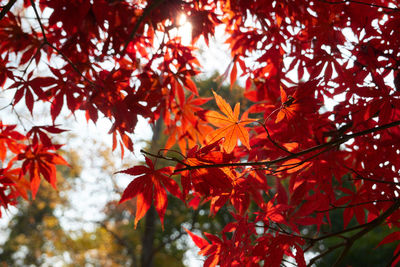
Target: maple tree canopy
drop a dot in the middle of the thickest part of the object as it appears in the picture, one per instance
(321, 135)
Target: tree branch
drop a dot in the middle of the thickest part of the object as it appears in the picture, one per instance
(145, 13)
(360, 177)
(159, 156)
(7, 8)
(45, 41)
(326, 252)
(351, 240)
(272, 140)
(359, 3)
(355, 205)
(369, 227)
(336, 142)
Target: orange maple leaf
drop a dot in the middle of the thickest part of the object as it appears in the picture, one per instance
(230, 127)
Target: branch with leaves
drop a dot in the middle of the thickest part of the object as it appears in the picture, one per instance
(314, 133)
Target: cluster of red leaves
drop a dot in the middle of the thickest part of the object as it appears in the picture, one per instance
(150, 182)
(27, 159)
(321, 134)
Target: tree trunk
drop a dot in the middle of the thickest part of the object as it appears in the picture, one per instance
(148, 238)
(150, 218)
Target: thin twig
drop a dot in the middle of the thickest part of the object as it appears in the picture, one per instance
(393, 259)
(145, 13)
(369, 227)
(360, 177)
(19, 119)
(32, 59)
(359, 3)
(7, 8)
(355, 205)
(56, 49)
(336, 142)
(351, 240)
(282, 231)
(273, 141)
(159, 156)
(297, 164)
(326, 252)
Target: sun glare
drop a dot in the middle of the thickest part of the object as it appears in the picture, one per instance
(184, 29)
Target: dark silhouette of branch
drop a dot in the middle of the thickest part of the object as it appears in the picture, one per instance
(7, 8)
(359, 3)
(394, 258)
(283, 231)
(145, 13)
(369, 227)
(360, 177)
(159, 156)
(355, 205)
(295, 165)
(326, 252)
(330, 144)
(45, 41)
(273, 141)
(348, 243)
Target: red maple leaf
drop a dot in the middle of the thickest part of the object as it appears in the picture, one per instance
(39, 161)
(300, 103)
(150, 184)
(9, 138)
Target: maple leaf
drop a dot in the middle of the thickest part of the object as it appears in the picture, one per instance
(31, 87)
(199, 241)
(11, 186)
(149, 184)
(37, 161)
(9, 138)
(230, 127)
(18, 185)
(302, 102)
(211, 251)
(190, 130)
(240, 191)
(38, 133)
(226, 252)
(352, 198)
(288, 108)
(207, 181)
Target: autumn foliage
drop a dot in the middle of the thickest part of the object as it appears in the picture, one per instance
(321, 135)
